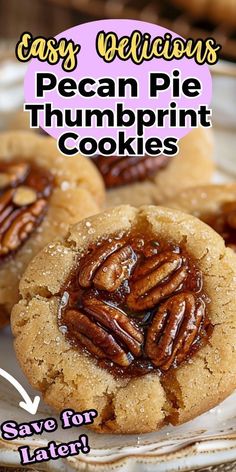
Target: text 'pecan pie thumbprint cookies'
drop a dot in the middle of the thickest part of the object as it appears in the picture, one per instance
(146, 180)
(213, 204)
(132, 314)
(41, 193)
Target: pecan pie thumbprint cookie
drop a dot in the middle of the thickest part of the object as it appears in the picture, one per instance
(132, 314)
(151, 180)
(41, 193)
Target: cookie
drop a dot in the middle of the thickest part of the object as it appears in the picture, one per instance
(133, 314)
(41, 193)
(20, 121)
(213, 204)
(147, 180)
(216, 11)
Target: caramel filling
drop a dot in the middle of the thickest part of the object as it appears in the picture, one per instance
(120, 171)
(136, 304)
(24, 192)
(224, 223)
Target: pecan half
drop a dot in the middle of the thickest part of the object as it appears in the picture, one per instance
(174, 329)
(114, 338)
(158, 277)
(24, 196)
(6, 203)
(108, 266)
(115, 269)
(18, 226)
(22, 204)
(118, 171)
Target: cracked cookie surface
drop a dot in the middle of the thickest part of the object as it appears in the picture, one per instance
(40, 195)
(140, 181)
(182, 383)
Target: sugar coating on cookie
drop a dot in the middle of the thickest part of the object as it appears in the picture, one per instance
(131, 314)
(41, 193)
(152, 180)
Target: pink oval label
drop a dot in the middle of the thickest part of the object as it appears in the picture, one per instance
(88, 91)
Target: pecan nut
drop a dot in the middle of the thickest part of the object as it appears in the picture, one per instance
(108, 266)
(22, 206)
(174, 329)
(158, 277)
(115, 269)
(118, 171)
(6, 205)
(114, 338)
(137, 304)
(18, 225)
(24, 196)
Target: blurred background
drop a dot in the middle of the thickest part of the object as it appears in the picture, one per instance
(198, 18)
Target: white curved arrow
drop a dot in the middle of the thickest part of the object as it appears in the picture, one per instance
(27, 404)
